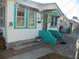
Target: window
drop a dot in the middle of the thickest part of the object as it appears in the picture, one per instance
(31, 18)
(24, 17)
(1, 23)
(2, 3)
(1, 12)
(54, 21)
(20, 22)
(2, 17)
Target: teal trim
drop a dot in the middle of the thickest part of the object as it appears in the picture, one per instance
(47, 19)
(26, 18)
(42, 21)
(35, 19)
(15, 16)
(26, 12)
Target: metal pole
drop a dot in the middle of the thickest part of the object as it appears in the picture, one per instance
(76, 55)
(77, 45)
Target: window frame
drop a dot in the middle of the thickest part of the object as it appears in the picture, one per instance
(34, 18)
(26, 18)
(54, 21)
(16, 16)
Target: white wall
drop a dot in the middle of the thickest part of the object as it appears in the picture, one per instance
(19, 34)
(64, 23)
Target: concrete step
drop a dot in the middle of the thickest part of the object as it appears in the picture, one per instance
(19, 47)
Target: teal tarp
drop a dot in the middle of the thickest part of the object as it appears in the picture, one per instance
(47, 37)
(57, 34)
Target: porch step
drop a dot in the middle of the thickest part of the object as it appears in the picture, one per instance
(19, 47)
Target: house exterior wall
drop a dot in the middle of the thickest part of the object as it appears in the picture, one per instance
(64, 23)
(14, 35)
(74, 25)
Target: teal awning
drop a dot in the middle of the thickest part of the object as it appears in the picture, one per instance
(55, 13)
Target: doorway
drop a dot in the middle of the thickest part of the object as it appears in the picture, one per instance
(45, 16)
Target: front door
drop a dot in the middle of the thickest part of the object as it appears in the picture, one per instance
(45, 22)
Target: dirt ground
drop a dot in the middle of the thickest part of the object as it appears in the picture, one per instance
(53, 56)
